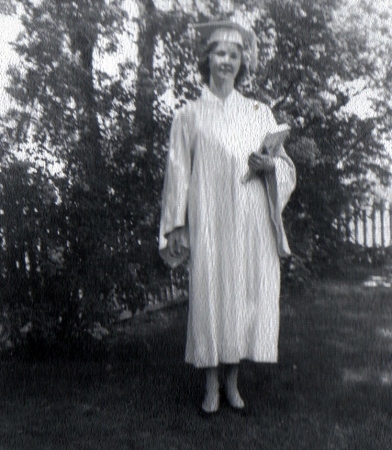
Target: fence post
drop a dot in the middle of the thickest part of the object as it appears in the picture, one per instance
(390, 224)
(364, 222)
(373, 226)
(357, 219)
(347, 223)
(382, 214)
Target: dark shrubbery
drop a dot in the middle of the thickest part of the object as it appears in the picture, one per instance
(79, 220)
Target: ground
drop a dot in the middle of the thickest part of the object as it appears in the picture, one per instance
(330, 390)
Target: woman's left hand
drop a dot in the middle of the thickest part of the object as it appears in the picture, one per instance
(261, 163)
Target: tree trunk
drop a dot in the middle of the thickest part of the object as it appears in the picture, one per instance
(83, 35)
(144, 125)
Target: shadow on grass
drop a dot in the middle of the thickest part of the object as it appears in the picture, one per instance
(330, 390)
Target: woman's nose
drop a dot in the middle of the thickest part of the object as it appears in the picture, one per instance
(226, 58)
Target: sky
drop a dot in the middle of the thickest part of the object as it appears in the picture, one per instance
(10, 28)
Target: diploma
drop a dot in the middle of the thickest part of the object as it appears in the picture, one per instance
(271, 142)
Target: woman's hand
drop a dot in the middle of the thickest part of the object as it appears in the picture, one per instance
(174, 242)
(261, 163)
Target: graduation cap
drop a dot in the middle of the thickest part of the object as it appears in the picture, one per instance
(229, 31)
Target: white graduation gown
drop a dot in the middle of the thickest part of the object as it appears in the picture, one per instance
(233, 232)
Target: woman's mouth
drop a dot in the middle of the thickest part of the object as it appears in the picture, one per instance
(226, 69)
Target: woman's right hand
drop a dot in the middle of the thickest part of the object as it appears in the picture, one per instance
(261, 163)
(174, 242)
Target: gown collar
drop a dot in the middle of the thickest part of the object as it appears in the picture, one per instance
(209, 97)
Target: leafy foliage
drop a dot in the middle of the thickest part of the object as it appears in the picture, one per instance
(334, 152)
(79, 220)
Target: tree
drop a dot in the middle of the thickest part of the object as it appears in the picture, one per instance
(305, 81)
(57, 113)
(367, 28)
(107, 135)
(7, 7)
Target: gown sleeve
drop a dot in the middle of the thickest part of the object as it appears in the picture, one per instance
(175, 190)
(279, 185)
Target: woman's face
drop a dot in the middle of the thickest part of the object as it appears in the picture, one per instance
(225, 61)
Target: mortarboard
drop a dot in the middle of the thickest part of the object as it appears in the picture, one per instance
(229, 31)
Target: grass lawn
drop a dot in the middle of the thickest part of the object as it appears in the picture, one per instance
(330, 390)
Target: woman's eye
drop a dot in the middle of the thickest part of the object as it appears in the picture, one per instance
(234, 56)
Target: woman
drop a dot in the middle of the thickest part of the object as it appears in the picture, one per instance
(231, 230)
